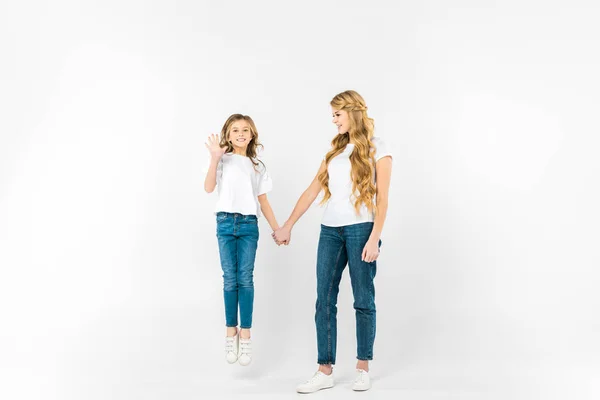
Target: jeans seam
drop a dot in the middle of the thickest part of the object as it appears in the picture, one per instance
(373, 324)
(329, 350)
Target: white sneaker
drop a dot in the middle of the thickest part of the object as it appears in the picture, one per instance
(362, 381)
(318, 381)
(245, 355)
(231, 348)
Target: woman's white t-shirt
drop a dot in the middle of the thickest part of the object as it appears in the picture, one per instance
(339, 209)
(239, 183)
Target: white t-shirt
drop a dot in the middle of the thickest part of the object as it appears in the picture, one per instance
(239, 183)
(339, 209)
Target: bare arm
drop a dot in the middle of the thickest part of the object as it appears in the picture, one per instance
(306, 199)
(283, 234)
(210, 182)
(383, 169)
(267, 211)
(216, 152)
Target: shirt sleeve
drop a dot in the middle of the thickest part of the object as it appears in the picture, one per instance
(265, 183)
(382, 149)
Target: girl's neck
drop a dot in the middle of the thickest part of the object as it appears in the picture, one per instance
(239, 153)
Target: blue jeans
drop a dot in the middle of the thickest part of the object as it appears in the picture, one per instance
(237, 235)
(339, 246)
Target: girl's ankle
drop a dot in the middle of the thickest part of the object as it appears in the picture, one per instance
(232, 331)
(245, 333)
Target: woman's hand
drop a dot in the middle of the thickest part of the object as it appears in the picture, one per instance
(371, 251)
(282, 235)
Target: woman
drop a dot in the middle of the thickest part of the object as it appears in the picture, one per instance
(355, 177)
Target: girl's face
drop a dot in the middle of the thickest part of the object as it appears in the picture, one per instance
(240, 136)
(341, 120)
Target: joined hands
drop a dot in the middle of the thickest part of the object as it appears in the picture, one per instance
(282, 235)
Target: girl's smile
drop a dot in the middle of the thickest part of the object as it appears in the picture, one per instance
(240, 136)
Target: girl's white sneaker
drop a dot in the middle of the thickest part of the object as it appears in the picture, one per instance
(362, 381)
(245, 355)
(231, 348)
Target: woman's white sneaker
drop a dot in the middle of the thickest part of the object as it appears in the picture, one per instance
(318, 381)
(245, 355)
(231, 348)
(362, 381)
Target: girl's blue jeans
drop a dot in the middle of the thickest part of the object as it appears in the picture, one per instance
(237, 235)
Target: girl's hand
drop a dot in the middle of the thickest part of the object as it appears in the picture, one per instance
(371, 251)
(213, 146)
(282, 235)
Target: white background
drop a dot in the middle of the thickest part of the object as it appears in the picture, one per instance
(110, 284)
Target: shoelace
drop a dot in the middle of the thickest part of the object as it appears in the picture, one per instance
(360, 377)
(314, 378)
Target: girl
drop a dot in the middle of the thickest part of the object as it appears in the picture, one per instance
(242, 182)
(355, 177)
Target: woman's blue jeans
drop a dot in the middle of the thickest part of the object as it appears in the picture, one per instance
(339, 246)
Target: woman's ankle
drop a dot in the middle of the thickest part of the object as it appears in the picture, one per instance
(327, 369)
(362, 364)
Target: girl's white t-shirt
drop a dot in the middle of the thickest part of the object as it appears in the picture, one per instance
(239, 183)
(339, 209)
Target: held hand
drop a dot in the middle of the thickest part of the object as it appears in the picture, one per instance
(282, 235)
(370, 251)
(275, 240)
(213, 146)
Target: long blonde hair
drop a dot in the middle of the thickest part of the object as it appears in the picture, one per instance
(252, 149)
(362, 159)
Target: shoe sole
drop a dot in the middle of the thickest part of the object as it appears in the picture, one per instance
(231, 362)
(313, 391)
(242, 363)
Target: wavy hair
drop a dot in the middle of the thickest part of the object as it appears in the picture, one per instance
(362, 159)
(252, 149)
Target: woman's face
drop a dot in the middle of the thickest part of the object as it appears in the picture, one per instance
(341, 120)
(240, 135)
